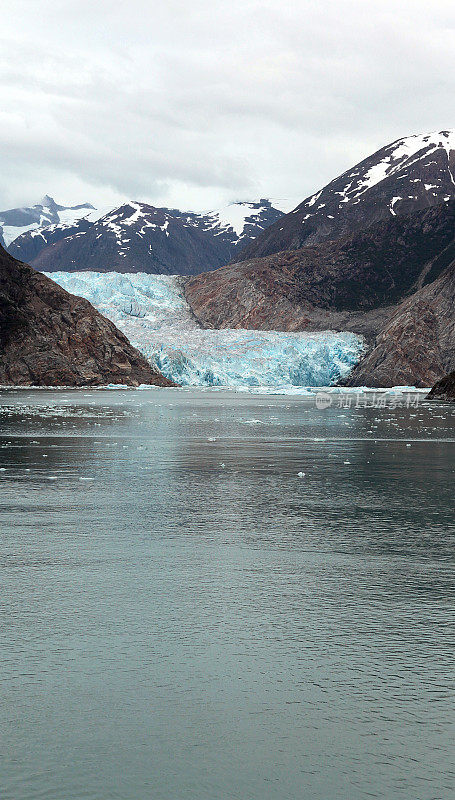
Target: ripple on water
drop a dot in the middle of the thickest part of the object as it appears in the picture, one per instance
(224, 595)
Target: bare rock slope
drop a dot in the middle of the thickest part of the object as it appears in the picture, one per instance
(392, 283)
(417, 345)
(49, 337)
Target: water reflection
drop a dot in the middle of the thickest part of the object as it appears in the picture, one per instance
(199, 620)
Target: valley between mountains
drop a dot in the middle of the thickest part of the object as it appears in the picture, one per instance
(357, 280)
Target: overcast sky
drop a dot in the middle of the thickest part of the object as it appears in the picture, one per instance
(197, 103)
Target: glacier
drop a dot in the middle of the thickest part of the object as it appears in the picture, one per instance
(152, 312)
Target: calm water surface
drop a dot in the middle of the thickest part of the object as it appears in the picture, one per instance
(185, 617)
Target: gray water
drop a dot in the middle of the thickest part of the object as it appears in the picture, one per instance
(184, 617)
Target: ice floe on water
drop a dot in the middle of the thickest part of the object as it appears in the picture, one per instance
(153, 313)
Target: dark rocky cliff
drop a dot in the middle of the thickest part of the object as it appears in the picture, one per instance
(417, 344)
(49, 337)
(444, 389)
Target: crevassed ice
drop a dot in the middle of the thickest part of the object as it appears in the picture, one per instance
(153, 313)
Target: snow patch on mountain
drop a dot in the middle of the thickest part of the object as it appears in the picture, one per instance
(284, 204)
(401, 178)
(396, 157)
(11, 232)
(403, 153)
(69, 216)
(233, 216)
(237, 216)
(153, 313)
(235, 221)
(47, 213)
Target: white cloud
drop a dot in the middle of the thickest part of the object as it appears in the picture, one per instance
(196, 104)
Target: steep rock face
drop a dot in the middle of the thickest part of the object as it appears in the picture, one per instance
(141, 238)
(52, 338)
(268, 295)
(444, 389)
(393, 283)
(349, 284)
(401, 178)
(417, 345)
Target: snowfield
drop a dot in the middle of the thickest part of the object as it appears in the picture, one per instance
(152, 312)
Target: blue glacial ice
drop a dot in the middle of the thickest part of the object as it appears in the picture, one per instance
(152, 312)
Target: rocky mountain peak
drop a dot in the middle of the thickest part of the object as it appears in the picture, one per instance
(15, 222)
(47, 202)
(405, 176)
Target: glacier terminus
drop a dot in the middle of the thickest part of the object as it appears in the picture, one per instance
(152, 312)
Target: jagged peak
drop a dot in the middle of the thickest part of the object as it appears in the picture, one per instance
(47, 201)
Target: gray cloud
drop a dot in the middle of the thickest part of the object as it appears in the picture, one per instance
(197, 104)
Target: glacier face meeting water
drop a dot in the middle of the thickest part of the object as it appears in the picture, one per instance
(152, 311)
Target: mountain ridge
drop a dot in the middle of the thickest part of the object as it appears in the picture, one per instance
(17, 221)
(407, 175)
(140, 237)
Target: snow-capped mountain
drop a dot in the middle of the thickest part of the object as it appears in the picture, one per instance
(405, 176)
(17, 221)
(137, 237)
(237, 223)
(28, 246)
